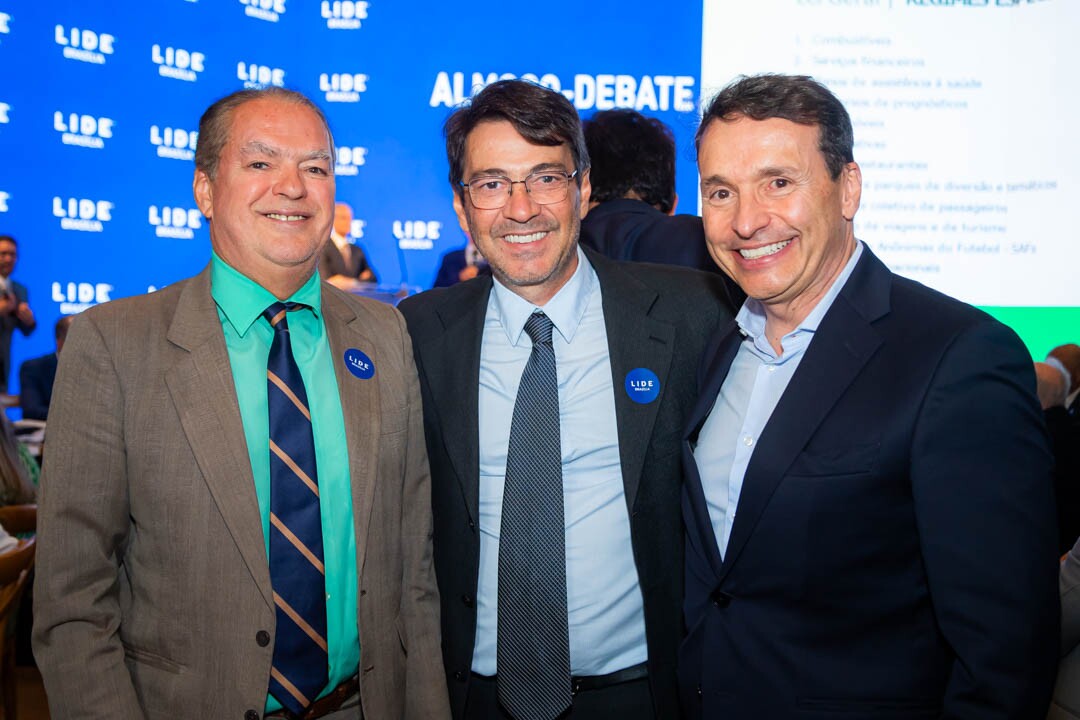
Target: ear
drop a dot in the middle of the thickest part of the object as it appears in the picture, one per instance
(850, 190)
(586, 193)
(202, 188)
(459, 210)
(674, 204)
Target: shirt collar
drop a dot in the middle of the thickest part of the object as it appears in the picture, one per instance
(565, 309)
(751, 316)
(242, 300)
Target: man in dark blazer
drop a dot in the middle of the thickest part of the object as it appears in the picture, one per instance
(37, 375)
(869, 498)
(632, 210)
(15, 312)
(520, 173)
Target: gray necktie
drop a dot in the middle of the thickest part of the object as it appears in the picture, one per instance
(534, 640)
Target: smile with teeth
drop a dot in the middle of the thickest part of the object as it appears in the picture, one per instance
(754, 253)
(280, 216)
(521, 239)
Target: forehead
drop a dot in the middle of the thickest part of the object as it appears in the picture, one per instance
(745, 142)
(497, 145)
(276, 121)
(6, 246)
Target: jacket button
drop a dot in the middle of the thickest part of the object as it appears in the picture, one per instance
(459, 676)
(468, 600)
(720, 598)
(472, 525)
(263, 638)
(251, 715)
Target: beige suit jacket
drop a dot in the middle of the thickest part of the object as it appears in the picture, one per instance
(153, 588)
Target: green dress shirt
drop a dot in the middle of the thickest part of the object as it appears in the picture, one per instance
(240, 303)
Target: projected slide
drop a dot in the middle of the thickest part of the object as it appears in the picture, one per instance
(961, 126)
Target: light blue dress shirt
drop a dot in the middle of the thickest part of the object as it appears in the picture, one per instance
(604, 603)
(751, 390)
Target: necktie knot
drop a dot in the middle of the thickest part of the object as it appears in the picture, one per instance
(275, 314)
(539, 327)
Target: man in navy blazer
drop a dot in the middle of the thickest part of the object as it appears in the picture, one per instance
(868, 501)
(520, 173)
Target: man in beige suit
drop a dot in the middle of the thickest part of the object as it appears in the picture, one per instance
(154, 596)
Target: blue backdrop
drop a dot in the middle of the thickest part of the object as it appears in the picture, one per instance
(100, 102)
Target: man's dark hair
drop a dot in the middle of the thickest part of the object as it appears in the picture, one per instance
(540, 115)
(797, 98)
(8, 238)
(215, 122)
(631, 152)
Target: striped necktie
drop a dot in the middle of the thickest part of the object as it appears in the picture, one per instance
(299, 670)
(533, 647)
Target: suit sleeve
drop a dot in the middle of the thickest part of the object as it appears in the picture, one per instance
(23, 296)
(82, 529)
(981, 475)
(425, 681)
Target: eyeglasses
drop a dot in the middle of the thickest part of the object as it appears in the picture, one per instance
(546, 187)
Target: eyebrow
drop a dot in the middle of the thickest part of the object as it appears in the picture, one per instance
(256, 147)
(765, 172)
(535, 169)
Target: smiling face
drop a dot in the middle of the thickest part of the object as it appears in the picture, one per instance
(775, 220)
(531, 248)
(271, 200)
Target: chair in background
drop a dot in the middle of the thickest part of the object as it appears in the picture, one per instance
(15, 565)
(19, 519)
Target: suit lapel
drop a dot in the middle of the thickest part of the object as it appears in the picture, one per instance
(360, 408)
(719, 361)
(201, 386)
(454, 368)
(844, 342)
(635, 340)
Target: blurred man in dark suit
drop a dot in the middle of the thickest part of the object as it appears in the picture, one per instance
(36, 377)
(632, 211)
(343, 263)
(15, 310)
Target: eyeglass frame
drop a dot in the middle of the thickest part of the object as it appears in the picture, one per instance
(510, 188)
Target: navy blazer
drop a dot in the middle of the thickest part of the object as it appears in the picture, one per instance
(893, 553)
(656, 317)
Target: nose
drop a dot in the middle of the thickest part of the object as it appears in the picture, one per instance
(520, 206)
(290, 182)
(751, 215)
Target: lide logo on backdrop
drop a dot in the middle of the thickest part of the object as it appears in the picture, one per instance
(178, 63)
(5, 111)
(587, 92)
(268, 10)
(85, 45)
(356, 229)
(5, 23)
(4, 197)
(349, 160)
(174, 143)
(175, 222)
(416, 234)
(344, 14)
(256, 76)
(82, 214)
(83, 130)
(343, 87)
(74, 297)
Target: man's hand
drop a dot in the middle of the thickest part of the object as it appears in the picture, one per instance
(24, 313)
